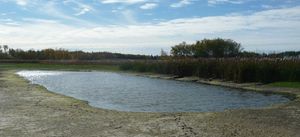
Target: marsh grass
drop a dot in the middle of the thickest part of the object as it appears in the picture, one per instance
(286, 84)
(239, 70)
(232, 69)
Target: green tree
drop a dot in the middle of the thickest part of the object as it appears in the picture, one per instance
(182, 50)
(208, 48)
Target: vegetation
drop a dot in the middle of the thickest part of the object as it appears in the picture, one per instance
(4, 52)
(208, 48)
(62, 54)
(222, 48)
(208, 58)
(286, 84)
(233, 69)
(223, 59)
(214, 48)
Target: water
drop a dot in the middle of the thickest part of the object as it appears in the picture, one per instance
(125, 92)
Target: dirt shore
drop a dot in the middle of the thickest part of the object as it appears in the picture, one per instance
(31, 110)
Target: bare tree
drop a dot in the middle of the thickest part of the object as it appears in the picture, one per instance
(5, 47)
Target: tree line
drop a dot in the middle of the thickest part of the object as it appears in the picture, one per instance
(206, 48)
(63, 54)
(221, 48)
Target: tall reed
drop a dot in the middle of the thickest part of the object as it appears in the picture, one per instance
(240, 70)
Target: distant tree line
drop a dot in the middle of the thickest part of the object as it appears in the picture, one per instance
(62, 54)
(221, 48)
(206, 48)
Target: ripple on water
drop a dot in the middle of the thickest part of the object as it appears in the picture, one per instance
(139, 94)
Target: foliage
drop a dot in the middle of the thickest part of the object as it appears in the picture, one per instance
(208, 48)
(62, 54)
(182, 50)
(4, 52)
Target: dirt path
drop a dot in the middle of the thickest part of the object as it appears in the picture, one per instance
(30, 110)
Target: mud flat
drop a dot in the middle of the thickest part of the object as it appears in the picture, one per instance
(31, 110)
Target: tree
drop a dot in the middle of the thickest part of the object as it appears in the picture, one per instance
(208, 48)
(5, 47)
(182, 49)
(198, 50)
(220, 47)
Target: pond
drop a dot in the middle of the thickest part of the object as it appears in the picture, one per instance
(125, 92)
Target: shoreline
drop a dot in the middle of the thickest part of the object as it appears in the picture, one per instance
(51, 114)
(290, 93)
(184, 79)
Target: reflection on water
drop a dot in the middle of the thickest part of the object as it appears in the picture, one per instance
(125, 92)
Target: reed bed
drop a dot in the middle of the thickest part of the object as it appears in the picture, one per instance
(264, 70)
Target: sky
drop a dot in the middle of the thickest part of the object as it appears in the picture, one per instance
(147, 26)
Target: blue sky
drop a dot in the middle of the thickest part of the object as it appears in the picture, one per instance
(147, 26)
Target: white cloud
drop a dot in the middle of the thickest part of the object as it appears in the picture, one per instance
(39, 21)
(128, 16)
(9, 21)
(22, 2)
(6, 20)
(149, 6)
(25, 3)
(214, 2)
(267, 6)
(81, 7)
(13, 23)
(122, 1)
(181, 3)
(265, 29)
(83, 10)
(50, 8)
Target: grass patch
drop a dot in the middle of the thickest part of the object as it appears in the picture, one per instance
(72, 67)
(286, 84)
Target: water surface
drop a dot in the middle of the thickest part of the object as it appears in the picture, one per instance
(125, 92)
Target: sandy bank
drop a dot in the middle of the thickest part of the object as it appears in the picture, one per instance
(30, 110)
